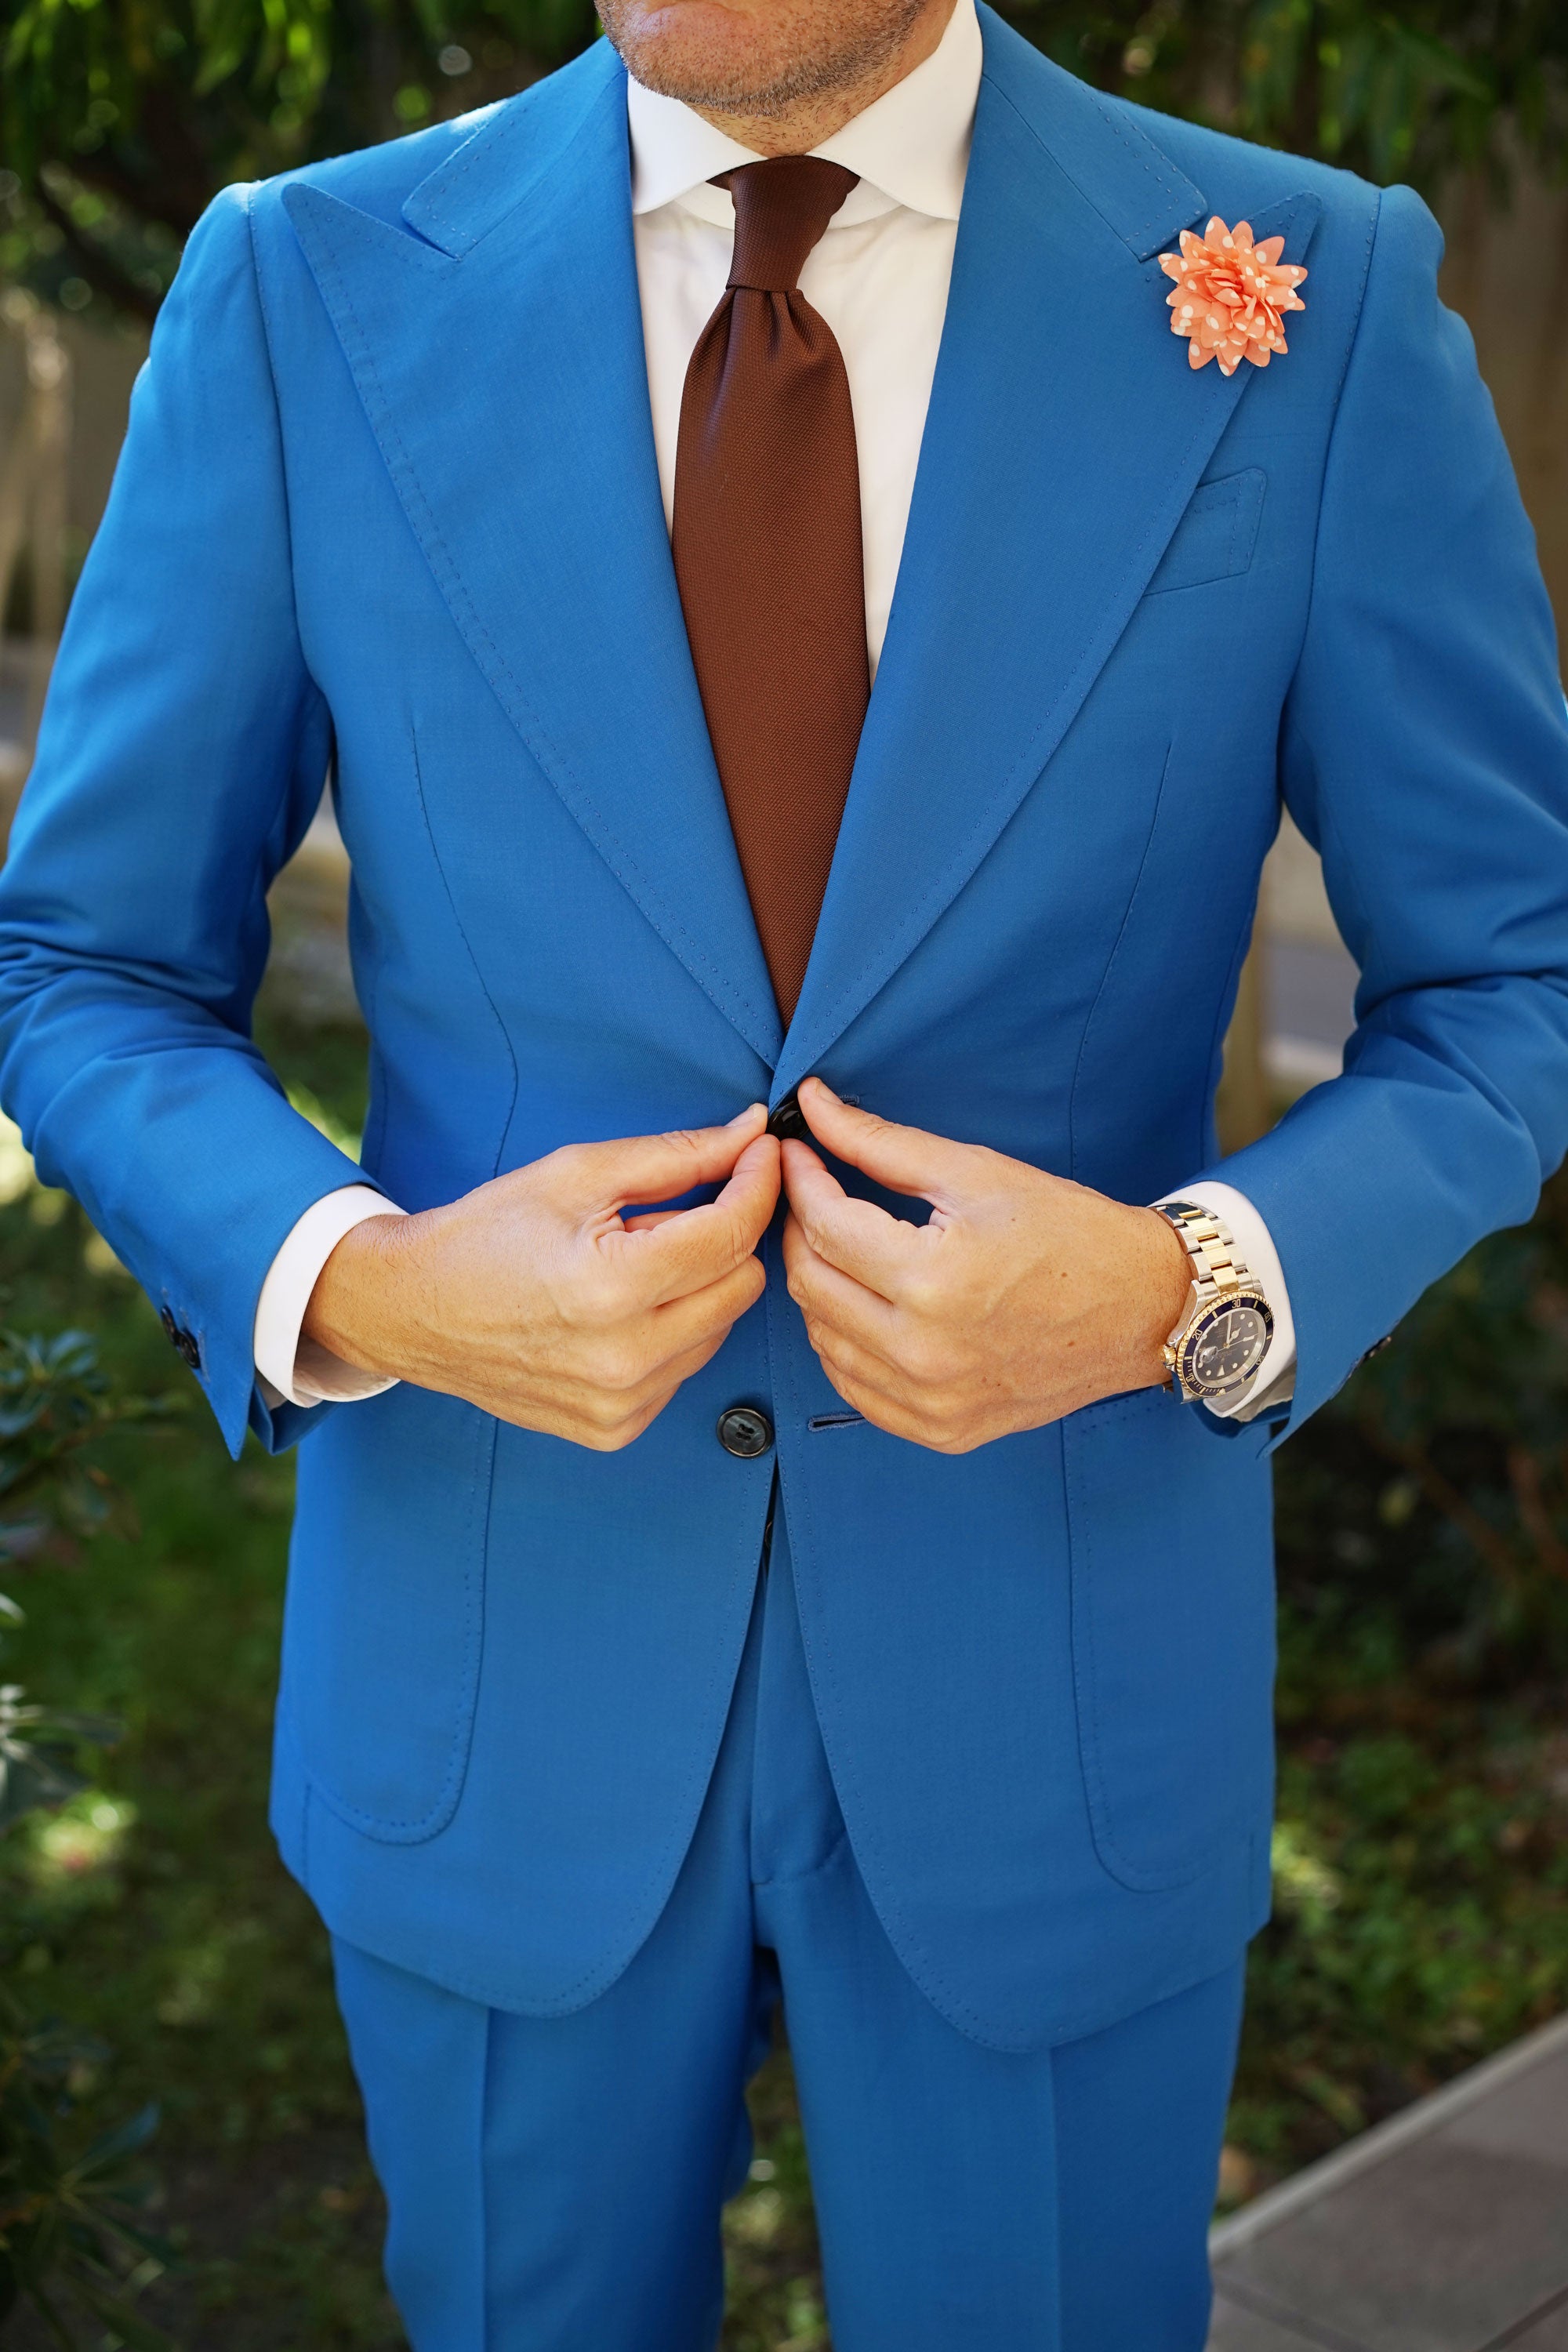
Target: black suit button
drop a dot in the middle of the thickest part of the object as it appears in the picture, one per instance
(787, 1121)
(184, 1342)
(744, 1432)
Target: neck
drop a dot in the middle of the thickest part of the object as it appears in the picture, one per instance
(804, 123)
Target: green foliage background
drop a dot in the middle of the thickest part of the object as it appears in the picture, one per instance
(120, 118)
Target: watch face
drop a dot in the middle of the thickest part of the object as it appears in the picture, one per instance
(1227, 1344)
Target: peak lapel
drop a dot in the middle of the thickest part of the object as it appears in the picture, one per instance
(498, 354)
(1065, 437)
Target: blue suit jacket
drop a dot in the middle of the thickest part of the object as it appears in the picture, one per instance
(389, 500)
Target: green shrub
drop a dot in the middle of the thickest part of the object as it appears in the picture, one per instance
(69, 2214)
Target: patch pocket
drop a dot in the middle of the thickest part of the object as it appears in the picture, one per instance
(383, 1620)
(1170, 1533)
(1216, 537)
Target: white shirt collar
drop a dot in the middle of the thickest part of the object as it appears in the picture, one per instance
(910, 147)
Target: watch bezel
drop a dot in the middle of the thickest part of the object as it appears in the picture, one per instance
(1247, 1293)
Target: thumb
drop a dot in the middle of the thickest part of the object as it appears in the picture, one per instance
(603, 1177)
(904, 1159)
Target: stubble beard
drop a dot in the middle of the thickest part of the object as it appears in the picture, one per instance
(813, 54)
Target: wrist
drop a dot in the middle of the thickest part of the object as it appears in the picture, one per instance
(1166, 1291)
(350, 1310)
(1216, 1352)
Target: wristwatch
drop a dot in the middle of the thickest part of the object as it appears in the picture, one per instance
(1216, 1349)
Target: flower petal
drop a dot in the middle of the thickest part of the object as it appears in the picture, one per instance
(1229, 293)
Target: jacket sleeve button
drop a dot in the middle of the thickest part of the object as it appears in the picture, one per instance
(744, 1432)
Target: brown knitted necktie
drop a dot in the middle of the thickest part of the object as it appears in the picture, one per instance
(767, 555)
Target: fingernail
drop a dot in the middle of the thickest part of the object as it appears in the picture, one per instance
(741, 1117)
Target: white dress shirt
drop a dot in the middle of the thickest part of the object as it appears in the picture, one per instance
(879, 277)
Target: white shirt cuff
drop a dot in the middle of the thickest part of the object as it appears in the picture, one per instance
(1275, 1382)
(292, 1369)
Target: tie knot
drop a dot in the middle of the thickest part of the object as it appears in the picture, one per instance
(782, 206)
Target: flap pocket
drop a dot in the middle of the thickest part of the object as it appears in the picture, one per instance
(1214, 539)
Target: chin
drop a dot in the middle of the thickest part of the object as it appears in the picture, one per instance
(704, 51)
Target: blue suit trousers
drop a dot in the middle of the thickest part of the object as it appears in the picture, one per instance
(554, 2183)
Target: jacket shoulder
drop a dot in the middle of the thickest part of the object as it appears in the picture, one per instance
(1151, 174)
(379, 180)
(1237, 176)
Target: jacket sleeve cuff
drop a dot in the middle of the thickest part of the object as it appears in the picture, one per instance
(1275, 1381)
(290, 1368)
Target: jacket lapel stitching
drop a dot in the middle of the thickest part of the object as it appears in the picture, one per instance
(1172, 187)
(755, 1025)
(890, 951)
(1029, 764)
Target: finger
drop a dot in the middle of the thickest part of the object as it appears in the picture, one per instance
(611, 1408)
(899, 1416)
(671, 1379)
(827, 1297)
(904, 1159)
(708, 1314)
(846, 1362)
(624, 1393)
(645, 1221)
(604, 1176)
(602, 1435)
(854, 1235)
(883, 1412)
(688, 1252)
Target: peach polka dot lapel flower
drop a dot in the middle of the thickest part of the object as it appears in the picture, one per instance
(1230, 295)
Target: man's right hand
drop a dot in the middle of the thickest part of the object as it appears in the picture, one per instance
(535, 1299)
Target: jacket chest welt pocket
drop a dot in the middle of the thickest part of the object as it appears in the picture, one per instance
(1216, 537)
(1171, 1528)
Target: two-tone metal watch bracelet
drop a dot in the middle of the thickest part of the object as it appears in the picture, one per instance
(1221, 1280)
(1211, 1246)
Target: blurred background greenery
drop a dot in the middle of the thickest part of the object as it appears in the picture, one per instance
(121, 118)
(152, 1951)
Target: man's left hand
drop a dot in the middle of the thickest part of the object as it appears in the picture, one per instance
(1024, 1297)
